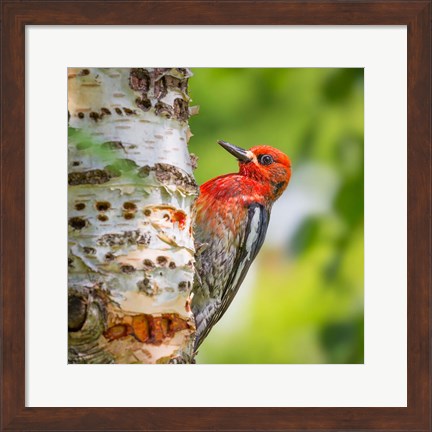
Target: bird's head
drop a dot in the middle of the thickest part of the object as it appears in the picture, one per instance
(264, 164)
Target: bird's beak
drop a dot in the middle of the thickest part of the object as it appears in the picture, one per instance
(242, 155)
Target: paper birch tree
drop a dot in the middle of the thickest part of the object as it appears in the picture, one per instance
(131, 189)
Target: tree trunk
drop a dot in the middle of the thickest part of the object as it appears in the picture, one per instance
(131, 188)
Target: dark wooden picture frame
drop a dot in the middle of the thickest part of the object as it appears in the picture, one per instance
(17, 14)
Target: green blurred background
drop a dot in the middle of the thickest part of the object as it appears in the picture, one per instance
(302, 301)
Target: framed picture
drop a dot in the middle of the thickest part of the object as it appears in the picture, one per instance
(322, 75)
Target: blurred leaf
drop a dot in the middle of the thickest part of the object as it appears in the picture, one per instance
(305, 236)
(341, 83)
(343, 341)
(305, 302)
(350, 200)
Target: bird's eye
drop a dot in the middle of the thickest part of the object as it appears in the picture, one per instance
(265, 159)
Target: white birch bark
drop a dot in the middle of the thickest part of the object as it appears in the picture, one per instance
(131, 188)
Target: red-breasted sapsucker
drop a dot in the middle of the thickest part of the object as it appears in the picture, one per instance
(231, 218)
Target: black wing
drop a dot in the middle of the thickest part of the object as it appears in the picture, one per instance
(251, 241)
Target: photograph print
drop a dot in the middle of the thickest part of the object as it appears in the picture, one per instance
(215, 215)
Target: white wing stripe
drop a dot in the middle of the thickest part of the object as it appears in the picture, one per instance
(255, 226)
(252, 237)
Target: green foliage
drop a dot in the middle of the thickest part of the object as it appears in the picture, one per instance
(305, 302)
(109, 154)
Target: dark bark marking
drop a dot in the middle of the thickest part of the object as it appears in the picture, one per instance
(160, 88)
(129, 206)
(102, 206)
(128, 111)
(156, 84)
(80, 206)
(94, 116)
(143, 103)
(176, 83)
(144, 171)
(77, 312)
(109, 257)
(194, 161)
(162, 260)
(77, 223)
(125, 238)
(182, 286)
(96, 176)
(181, 109)
(89, 250)
(139, 79)
(148, 264)
(145, 287)
(171, 175)
(164, 110)
(127, 269)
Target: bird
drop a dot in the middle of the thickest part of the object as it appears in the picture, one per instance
(231, 216)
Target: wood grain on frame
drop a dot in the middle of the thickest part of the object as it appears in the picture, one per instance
(17, 14)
